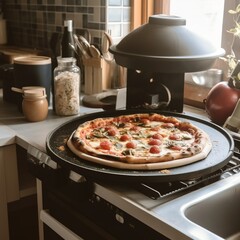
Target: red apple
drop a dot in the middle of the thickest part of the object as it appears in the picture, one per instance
(221, 101)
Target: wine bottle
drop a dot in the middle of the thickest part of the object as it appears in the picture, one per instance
(67, 39)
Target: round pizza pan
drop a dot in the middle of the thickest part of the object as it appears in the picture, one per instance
(222, 150)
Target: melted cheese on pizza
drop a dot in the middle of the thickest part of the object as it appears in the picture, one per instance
(143, 138)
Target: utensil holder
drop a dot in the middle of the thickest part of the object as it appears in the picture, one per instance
(97, 75)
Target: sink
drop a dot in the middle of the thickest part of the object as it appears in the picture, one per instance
(218, 211)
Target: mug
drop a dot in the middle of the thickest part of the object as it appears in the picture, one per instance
(33, 71)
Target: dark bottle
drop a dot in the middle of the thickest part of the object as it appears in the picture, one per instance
(67, 50)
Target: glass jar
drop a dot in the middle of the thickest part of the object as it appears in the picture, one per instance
(66, 87)
(35, 104)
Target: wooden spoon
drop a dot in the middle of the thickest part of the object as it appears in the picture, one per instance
(19, 90)
(94, 51)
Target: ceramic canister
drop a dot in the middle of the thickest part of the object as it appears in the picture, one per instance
(34, 104)
(33, 71)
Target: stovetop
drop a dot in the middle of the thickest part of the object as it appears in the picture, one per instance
(163, 190)
(161, 205)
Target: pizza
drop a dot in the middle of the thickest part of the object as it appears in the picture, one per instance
(140, 141)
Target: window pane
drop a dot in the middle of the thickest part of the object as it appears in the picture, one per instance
(203, 16)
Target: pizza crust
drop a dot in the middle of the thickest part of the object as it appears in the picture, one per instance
(142, 166)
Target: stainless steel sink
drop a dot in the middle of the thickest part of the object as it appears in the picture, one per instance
(210, 213)
(219, 213)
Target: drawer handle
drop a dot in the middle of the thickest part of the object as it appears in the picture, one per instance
(58, 227)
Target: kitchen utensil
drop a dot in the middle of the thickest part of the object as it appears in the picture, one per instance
(220, 154)
(116, 71)
(85, 44)
(85, 53)
(29, 89)
(73, 47)
(94, 51)
(107, 42)
(18, 90)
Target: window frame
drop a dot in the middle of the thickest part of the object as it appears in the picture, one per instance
(194, 95)
(142, 9)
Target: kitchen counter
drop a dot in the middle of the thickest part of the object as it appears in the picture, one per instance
(15, 129)
(14, 125)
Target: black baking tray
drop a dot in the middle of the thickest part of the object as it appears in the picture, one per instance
(222, 150)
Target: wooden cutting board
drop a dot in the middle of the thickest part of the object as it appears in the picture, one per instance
(8, 53)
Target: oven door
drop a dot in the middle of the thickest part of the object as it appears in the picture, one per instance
(63, 201)
(55, 228)
(62, 219)
(70, 209)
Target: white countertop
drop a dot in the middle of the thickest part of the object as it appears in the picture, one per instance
(14, 128)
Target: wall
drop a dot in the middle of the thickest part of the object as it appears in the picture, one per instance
(33, 23)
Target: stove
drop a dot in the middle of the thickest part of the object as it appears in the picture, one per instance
(166, 189)
(110, 210)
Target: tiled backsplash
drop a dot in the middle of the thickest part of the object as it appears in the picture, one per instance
(32, 23)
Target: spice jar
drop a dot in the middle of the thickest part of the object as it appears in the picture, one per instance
(66, 87)
(35, 104)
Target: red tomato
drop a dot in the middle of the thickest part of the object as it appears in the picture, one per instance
(131, 145)
(155, 128)
(176, 124)
(174, 137)
(134, 128)
(124, 138)
(145, 121)
(154, 142)
(106, 145)
(178, 148)
(167, 125)
(154, 149)
(157, 136)
(111, 132)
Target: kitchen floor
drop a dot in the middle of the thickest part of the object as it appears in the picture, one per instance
(23, 219)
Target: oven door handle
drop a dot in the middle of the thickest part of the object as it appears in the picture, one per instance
(58, 227)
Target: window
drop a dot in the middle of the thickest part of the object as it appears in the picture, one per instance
(202, 16)
(205, 17)
(208, 17)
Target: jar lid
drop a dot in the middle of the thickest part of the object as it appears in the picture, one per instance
(32, 93)
(66, 61)
(32, 60)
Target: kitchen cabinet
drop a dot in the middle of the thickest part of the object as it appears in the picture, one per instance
(8, 185)
(15, 182)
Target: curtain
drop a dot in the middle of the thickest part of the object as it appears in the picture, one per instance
(142, 9)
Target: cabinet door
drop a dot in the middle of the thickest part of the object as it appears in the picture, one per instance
(8, 154)
(9, 190)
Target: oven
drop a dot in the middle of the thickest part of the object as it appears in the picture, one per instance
(71, 207)
(80, 200)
